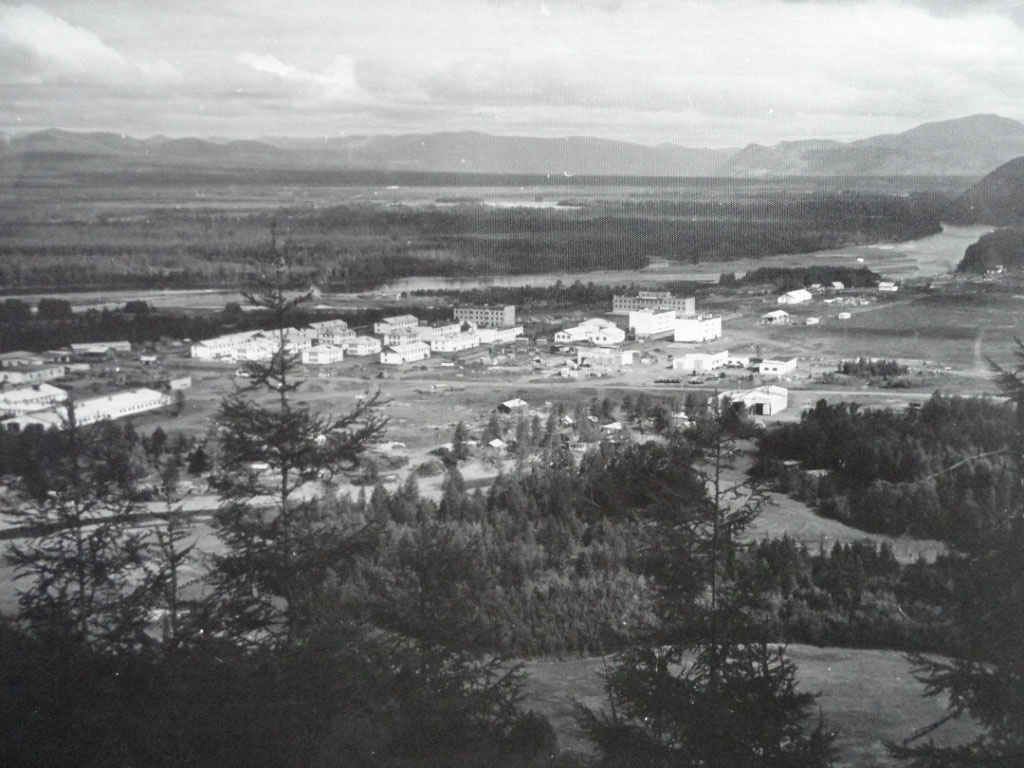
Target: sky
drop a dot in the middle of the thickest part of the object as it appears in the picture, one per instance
(703, 73)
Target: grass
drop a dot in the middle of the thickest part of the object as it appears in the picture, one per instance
(870, 697)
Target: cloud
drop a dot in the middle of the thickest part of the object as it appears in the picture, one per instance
(40, 47)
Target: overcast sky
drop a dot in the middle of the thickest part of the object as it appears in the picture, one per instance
(698, 73)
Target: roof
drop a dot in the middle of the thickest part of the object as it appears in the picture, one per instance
(401, 319)
(776, 313)
(515, 402)
(27, 394)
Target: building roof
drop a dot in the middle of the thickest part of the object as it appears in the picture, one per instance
(28, 394)
(776, 313)
(515, 403)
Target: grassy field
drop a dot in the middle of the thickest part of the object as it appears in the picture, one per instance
(870, 697)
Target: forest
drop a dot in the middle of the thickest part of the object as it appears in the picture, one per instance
(939, 471)
(1001, 248)
(361, 246)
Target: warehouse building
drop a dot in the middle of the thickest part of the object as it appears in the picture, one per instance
(701, 362)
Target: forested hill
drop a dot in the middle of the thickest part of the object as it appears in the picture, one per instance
(998, 198)
(1002, 248)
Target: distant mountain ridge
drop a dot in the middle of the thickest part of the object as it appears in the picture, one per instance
(967, 146)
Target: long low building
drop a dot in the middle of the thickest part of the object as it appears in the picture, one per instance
(698, 362)
(456, 343)
(499, 335)
(107, 408)
(405, 353)
(777, 366)
(39, 397)
(36, 374)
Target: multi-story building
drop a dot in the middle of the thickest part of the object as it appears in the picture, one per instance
(698, 329)
(405, 353)
(328, 327)
(431, 333)
(399, 335)
(323, 354)
(27, 399)
(394, 322)
(487, 316)
(457, 343)
(654, 301)
(361, 346)
(645, 323)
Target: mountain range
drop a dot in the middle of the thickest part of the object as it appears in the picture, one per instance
(967, 146)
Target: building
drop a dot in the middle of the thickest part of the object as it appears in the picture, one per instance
(571, 335)
(701, 362)
(838, 286)
(226, 347)
(32, 374)
(698, 329)
(328, 327)
(777, 366)
(184, 382)
(778, 317)
(603, 357)
(654, 301)
(888, 286)
(339, 337)
(405, 353)
(361, 346)
(812, 321)
(37, 397)
(393, 323)
(515, 405)
(100, 349)
(116, 406)
(645, 323)
(399, 335)
(323, 354)
(486, 316)
(21, 359)
(596, 331)
(844, 315)
(456, 343)
(799, 296)
(430, 333)
(499, 335)
(737, 361)
(762, 401)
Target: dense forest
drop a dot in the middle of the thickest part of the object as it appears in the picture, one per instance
(360, 246)
(790, 278)
(1001, 248)
(940, 471)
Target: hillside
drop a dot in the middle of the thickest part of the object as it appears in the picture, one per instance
(1002, 248)
(968, 146)
(998, 198)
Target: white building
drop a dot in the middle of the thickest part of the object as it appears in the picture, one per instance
(226, 347)
(456, 343)
(38, 397)
(394, 322)
(888, 286)
(430, 333)
(837, 285)
(32, 374)
(487, 317)
(654, 301)
(327, 328)
(762, 401)
(698, 329)
(323, 354)
(737, 361)
(596, 331)
(100, 348)
(499, 335)
(400, 335)
(799, 296)
(777, 366)
(109, 407)
(361, 346)
(644, 323)
(405, 353)
(21, 359)
(570, 335)
(603, 357)
(778, 317)
(699, 362)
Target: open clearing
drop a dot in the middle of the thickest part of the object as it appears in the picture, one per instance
(870, 697)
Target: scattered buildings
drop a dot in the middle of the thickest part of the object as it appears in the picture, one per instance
(699, 362)
(488, 317)
(698, 329)
(777, 317)
(645, 323)
(779, 366)
(323, 354)
(405, 353)
(762, 401)
(654, 301)
(799, 296)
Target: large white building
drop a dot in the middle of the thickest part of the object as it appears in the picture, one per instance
(226, 347)
(400, 335)
(799, 296)
(499, 335)
(405, 353)
(777, 366)
(36, 374)
(699, 362)
(361, 346)
(431, 333)
(644, 323)
(116, 406)
(488, 317)
(654, 301)
(395, 322)
(698, 329)
(456, 343)
(38, 397)
(323, 354)
(326, 328)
